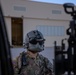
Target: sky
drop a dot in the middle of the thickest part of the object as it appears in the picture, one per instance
(57, 1)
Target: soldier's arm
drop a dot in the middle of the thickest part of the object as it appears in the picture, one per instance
(49, 67)
(17, 65)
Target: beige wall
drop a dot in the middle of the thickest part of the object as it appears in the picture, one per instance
(33, 14)
(33, 9)
(30, 24)
(8, 26)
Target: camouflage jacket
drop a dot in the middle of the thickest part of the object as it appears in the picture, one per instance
(39, 66)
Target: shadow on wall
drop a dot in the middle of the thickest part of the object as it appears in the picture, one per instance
(48, 52)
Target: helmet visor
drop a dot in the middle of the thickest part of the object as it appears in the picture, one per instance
(35, 41)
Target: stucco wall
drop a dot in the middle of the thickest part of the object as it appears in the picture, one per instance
(18, 8)
(31, 24)
(33, 14)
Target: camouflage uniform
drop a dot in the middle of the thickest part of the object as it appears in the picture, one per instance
(38, 66)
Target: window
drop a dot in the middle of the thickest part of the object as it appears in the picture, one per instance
(56, 12)
(17, 31)
(19, 8)
(51, 30)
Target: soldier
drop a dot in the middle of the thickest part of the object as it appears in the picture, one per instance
(31, 62)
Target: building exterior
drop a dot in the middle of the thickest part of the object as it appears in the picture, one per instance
(22, 16)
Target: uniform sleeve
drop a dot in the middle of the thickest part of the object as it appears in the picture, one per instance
(17, 65)
(49, 67)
